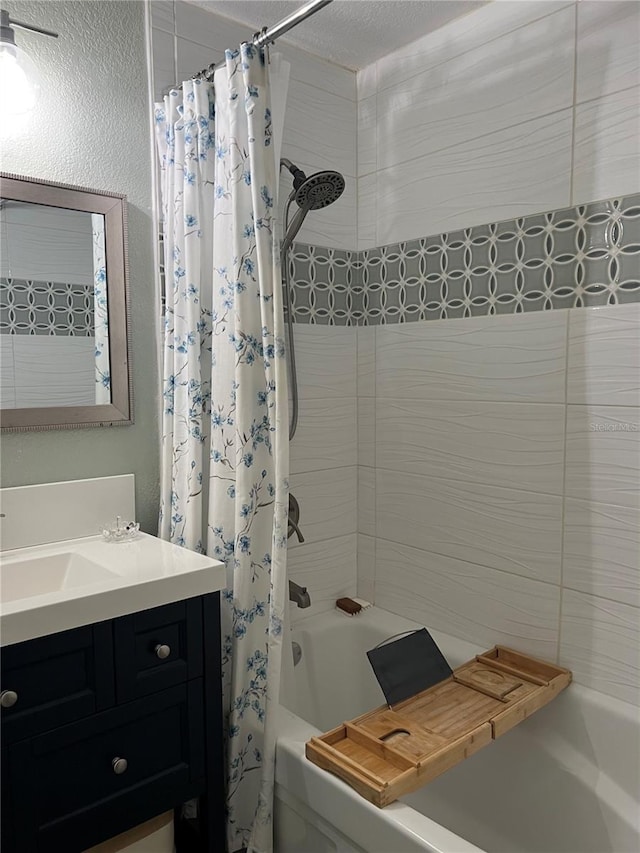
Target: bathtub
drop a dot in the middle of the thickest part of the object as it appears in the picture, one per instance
(564, 781)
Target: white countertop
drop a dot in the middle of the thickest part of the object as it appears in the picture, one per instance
(140, 574)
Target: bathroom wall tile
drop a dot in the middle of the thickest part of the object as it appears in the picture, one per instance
(486, 24)
(366, 431)
(328, 502)
(498, 84)
(7, 376)
(469, 601)
(320, 127)
(193, 57)
(506, 529)
(367, 121)
(327, 569)
(367, 81)
(325, 75)
(366, 361)
(366, 568)
(604, 356)
(607, 147)
(608, 57)
(603, 454)
(162, 15)
(366, 500)
(214, 31)
(507, 173)
(326, 361)
(60, 370)
(514, 358)
(367, 189)
(599, 642)
(515, 445)
(165, 74)
(602, 550)
(326, 436)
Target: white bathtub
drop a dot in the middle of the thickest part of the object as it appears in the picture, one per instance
(564, 781)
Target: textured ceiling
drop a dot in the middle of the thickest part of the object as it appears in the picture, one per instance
(353, 33)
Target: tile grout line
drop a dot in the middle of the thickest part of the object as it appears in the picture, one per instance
(574, 108)
(564, 481)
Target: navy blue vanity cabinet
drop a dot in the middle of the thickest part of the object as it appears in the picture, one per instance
(108, 725)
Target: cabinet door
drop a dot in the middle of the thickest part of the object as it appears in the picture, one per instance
(158, 648)
(56, 679)
(93, 779)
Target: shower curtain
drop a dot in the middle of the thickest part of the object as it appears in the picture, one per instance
(225, 424)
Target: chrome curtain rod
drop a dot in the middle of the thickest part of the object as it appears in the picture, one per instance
(268, 35)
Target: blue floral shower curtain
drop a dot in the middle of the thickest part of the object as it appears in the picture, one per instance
(225, 427)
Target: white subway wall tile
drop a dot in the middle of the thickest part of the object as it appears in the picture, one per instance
(366, 336)
(507, 529)
(603, 454)
(328, 570)
(162, 15)
(469, 601)
(321, 125)
(519, 358)
(604, 356)
(607, 147)
(515, 445)
(328, 502)
(214, 31)
(608, 55)
(193, 57)
(319, 72)
(165, 74)
(602, 550)
(367, 81)
(326, 360)
(487, 24)
(7, 373)
(508, 173)
(523, 75)
(366, 500)
(367, 220)
(367, 121)
(366, 431)
(367, 568)
(326, 436)
(600, 643)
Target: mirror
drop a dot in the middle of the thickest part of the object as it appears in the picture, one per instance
(63, 306)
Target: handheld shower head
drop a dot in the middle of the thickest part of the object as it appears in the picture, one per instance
(319, 190)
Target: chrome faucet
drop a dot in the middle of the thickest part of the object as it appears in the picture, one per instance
(299, 595)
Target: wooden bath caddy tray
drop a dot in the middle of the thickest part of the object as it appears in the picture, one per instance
(390, 752)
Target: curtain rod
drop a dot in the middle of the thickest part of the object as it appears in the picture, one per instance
(268, 35)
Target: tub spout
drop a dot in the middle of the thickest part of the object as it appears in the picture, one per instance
(299, 595)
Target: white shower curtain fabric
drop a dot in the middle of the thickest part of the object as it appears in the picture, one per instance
(225, 424)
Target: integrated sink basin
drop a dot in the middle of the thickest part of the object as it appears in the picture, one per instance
(28, 577)
(46, 589)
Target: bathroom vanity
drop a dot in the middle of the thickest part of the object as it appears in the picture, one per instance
(110, 675)
(106, 725)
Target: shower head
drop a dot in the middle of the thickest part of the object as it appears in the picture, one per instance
(319, 190)
(309, 193)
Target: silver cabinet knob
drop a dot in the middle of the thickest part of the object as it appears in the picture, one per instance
(8, 698)
(162, 651)
(119, 766)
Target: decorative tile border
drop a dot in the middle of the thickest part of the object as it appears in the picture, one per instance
(572, 258)
(46, 308)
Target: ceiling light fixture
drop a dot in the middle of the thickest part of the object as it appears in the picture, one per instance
(18, 74)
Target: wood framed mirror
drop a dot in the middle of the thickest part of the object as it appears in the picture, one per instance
(64, 319)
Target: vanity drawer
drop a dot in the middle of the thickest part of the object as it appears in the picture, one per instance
(56, 679)
(90, 780)
(158, 648)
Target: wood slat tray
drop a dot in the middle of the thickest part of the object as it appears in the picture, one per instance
(390, 752)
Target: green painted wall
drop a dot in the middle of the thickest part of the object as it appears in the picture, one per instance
(91, 128)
